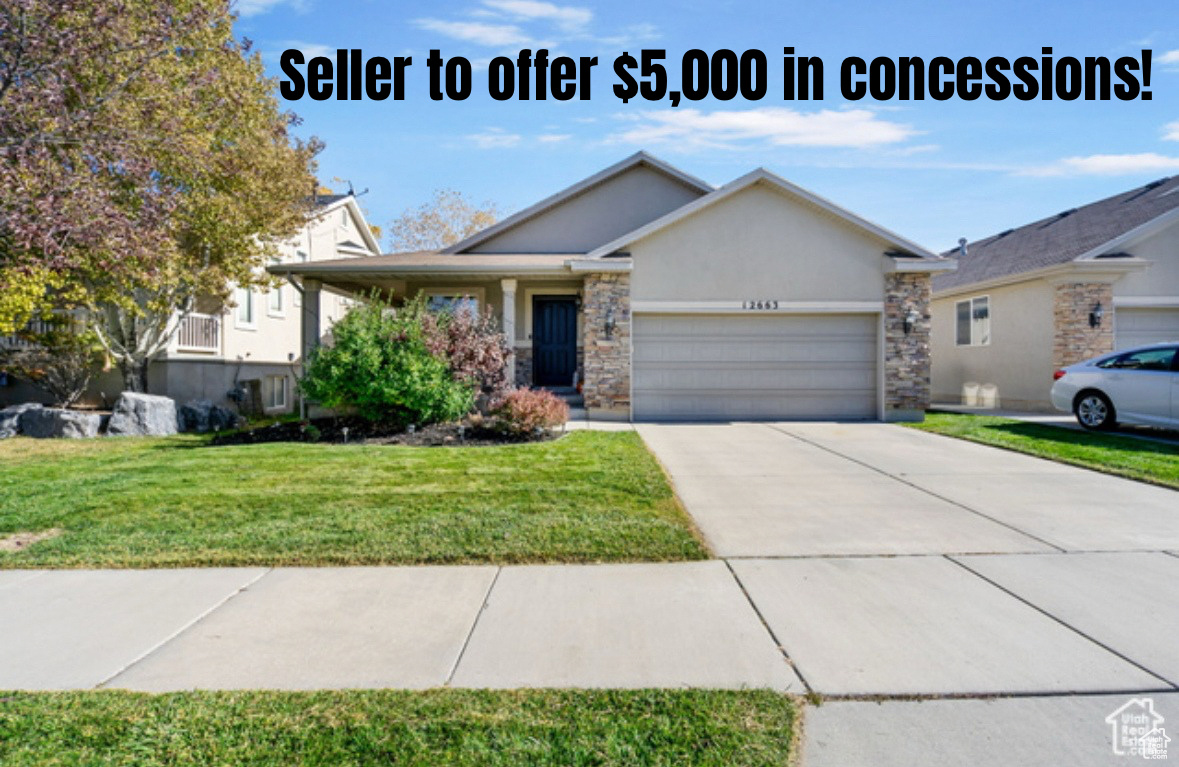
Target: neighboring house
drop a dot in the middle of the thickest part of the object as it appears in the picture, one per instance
(1031, 300)
(667, 298)
(254, 345)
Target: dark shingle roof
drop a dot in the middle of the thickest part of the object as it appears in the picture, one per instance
(1061, 238)
(324, 200)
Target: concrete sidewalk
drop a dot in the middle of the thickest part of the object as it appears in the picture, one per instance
(892, 626)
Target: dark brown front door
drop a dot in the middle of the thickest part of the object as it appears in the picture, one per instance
(554, 341)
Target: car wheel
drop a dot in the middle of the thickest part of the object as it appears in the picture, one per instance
(1094, 411)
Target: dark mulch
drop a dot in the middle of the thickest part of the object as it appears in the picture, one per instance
(353, 430)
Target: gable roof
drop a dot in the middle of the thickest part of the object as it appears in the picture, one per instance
(326, 203)
(1092, 231)
(761, 175)
(635, 160)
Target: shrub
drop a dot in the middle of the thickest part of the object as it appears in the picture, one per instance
(474, 347)
(380, 365)
(527, 411)
(61, 361)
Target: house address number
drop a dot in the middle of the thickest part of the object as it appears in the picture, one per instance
(755, 306)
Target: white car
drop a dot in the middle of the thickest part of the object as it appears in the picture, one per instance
(1133, 386)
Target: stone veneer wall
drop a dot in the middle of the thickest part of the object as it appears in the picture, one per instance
(906, 357)
(1073, 339)
(524, 366)
(607, 360)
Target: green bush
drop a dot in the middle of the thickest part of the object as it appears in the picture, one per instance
(380, 365)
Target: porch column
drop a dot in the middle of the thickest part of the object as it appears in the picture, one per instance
(310, 316)
(509, 324)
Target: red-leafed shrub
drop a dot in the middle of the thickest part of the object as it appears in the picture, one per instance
(528, 411)
(476, 350)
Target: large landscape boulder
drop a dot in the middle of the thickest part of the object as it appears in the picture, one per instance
(143, 415)
(10, 418)
(201, 415)
(52, 422)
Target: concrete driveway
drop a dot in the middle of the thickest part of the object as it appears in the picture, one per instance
(892, 563)
(823, 489)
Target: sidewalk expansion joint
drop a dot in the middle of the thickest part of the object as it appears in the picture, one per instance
(176, 634)
(474, 625)
(773, 637)
(918, 488)
(1068, 626)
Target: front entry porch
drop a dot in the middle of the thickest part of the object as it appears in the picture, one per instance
(569, 330)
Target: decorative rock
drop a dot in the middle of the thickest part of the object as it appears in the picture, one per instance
(143, 415)
(50, 422)
(10, 418)
(201, 415)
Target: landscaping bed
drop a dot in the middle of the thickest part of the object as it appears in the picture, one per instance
(175, 502)
(1129, 457)
(435, 727)
(354, 430)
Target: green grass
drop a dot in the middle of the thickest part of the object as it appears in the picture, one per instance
(590, 496)
(437, 727)
(1110, 453)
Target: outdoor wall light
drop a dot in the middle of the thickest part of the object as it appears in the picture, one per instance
(609, 325)
(911, 320)
(1096, 315)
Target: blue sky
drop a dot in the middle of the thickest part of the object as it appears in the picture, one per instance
(931, 171)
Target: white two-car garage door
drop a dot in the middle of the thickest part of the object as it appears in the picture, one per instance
(755, 367)
(1137, 327)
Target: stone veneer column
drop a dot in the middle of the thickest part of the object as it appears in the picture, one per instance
(906, 356)
(607, 360)
(1073, 339)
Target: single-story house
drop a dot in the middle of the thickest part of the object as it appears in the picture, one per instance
(667, 298)
(1028, 301)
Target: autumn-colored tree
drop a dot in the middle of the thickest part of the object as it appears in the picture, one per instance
(145, 162)
(447, 218)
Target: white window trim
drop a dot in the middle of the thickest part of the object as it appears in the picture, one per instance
(238, 322)
(970, 302)
(286, 386)
(281, 311)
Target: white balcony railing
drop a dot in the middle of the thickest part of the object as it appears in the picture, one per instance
(35, 327)
(199, 333)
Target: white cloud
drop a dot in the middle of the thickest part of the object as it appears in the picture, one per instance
(566, 16)
(553, 138)
(1171, 131)
(1106, 165)
(496, 35)
(310, 50)
(1169, 57)
(494, 138)
(247, 8)
(776, 126)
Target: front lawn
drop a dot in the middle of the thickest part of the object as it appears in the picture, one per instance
(174, 502)
(437, 727)
(1113, 454)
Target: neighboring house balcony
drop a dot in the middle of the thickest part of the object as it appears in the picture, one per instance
(199, 334)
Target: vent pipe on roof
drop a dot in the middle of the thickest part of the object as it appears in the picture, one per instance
(962, 247)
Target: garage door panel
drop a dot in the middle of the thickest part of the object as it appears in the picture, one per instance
(1138, 327)
(754, 367)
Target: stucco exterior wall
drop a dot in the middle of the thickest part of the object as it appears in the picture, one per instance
(1161, 278)
(759, 244)
(596, 216)
(1019, 358)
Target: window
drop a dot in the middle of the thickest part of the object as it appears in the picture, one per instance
(274, 392)
(974, 321)
(1147, 359)
(245, 307)
(452, 303)
(275, 306)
